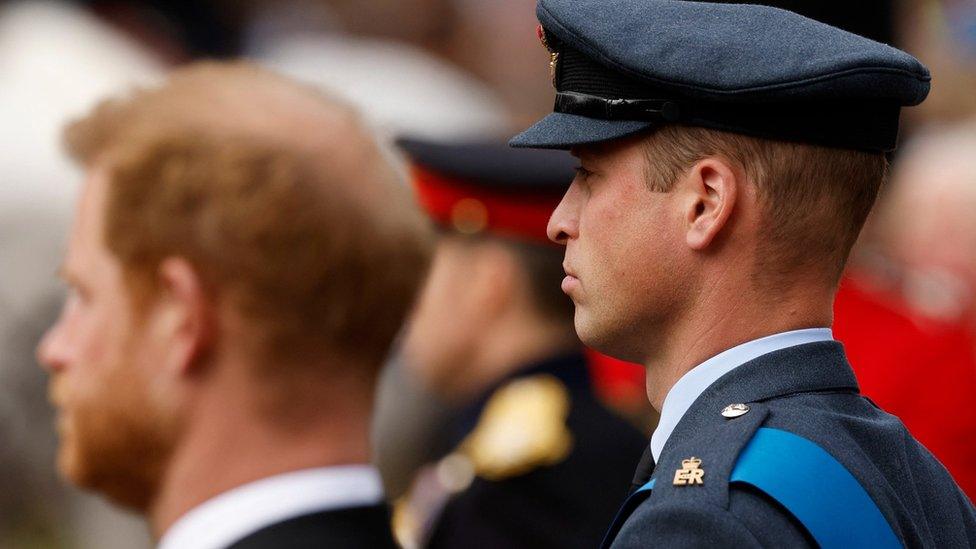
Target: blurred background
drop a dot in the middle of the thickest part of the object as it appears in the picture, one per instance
(456, 70)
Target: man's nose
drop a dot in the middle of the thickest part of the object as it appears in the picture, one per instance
(51, 352)
(564, 222)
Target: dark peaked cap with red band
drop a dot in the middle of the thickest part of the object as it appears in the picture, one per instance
(487, 187)
(625, 66)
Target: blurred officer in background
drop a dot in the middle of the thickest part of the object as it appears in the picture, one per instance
(241, 259)
(532, 458)
(729, 157)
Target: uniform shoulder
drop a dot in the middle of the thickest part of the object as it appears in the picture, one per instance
(599, 428)
(682, 523)
(521, 428)
(532, 464)
(539, 422)
(762, 464)
(749, 520)
(694, 501)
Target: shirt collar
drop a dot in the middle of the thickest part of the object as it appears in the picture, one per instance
(691, 385)
(233, 515)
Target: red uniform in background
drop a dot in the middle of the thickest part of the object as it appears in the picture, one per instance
(920, 370)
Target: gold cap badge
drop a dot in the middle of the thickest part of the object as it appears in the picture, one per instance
(469, 216)
(553, 54)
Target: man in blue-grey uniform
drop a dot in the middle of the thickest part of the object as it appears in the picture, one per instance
(729, 155)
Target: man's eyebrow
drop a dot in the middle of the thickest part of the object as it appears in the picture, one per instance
(585, 154)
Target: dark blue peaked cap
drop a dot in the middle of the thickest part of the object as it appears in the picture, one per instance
(624, 66)
(479, 187)
(492, 165)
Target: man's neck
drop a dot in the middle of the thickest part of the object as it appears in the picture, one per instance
(512, 347)
(721, 324)
(226, 449)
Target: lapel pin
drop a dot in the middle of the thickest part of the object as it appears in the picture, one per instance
(733, 411)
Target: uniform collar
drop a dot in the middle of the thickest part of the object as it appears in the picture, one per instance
(690, 386)
(818, 367)
(234, 515)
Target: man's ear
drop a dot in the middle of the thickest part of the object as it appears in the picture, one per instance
(495, 277)
(712, 188)
(186, 315)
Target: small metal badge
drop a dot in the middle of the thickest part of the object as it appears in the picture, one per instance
(553, 54)
(733, 411)
(690, 472)
(469, 216)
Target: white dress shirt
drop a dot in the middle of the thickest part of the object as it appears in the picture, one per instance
(693, 384)
(233, 515)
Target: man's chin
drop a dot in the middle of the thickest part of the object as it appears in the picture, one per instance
(604, 338)
(71, 465)
(134, 496)
(593, 334)
(118, 483)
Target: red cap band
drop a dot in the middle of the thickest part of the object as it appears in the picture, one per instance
(471, 209)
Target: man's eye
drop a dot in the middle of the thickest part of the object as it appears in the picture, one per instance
(583, 173)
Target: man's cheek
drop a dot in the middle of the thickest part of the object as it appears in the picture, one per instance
(84, 391)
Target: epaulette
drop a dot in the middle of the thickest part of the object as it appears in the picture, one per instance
(521, 429)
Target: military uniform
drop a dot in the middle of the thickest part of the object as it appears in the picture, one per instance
(537, 460)
(541, 463)
(768, 443)
(809, 391)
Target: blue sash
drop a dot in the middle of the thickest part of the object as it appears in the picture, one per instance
(815, 488)
(808, 482)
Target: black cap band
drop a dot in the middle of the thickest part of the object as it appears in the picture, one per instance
(591, 106)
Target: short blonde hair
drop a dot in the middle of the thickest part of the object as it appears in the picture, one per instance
(276, 194)
(815, 199)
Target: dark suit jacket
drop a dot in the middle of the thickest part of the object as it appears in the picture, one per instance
(565, 505)
(353, 528)
(810, 391)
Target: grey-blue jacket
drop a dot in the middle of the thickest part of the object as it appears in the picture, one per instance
(810, 391)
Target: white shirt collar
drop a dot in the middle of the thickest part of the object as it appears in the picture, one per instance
(233, 515)
(694, 382)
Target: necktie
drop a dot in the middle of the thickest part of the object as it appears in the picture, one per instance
(645, 468)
